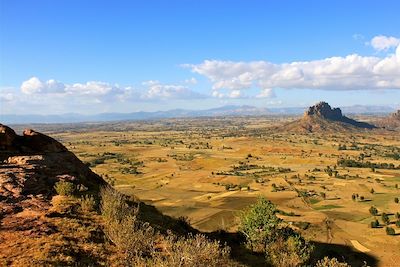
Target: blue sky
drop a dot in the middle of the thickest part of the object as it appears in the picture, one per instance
(123, 56)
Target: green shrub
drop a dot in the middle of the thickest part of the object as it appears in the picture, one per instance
(65, 188)
(373, 211)
(390, 231)
(375, 224)
(396, 200)
(88, 203)
(385, 218)
(398, 224)
(259, 223)
(333, 262)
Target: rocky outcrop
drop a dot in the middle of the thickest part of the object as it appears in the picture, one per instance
(30, 166)
(7, 137)
(31, 142)
(322, 117)
(392, 122)
(324, 110)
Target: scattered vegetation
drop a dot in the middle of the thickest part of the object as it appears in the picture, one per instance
(65, 188)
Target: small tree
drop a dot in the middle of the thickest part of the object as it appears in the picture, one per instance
(372, 191)
(390, 231)
(373, 211)
(385, 218)
(375, 224)
(259, 223)
(396, 200)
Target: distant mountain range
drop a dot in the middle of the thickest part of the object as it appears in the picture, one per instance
(230, 110)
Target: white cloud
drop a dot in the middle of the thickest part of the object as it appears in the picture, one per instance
(34, 86)
(235, 94)
(101, 91)
(352, 72)
(266, 93)
(383, 43)
(157, 90)
(94, 88)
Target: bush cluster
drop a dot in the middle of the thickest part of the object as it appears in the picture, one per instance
(65, 188)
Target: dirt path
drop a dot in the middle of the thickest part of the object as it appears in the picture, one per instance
(359, 247)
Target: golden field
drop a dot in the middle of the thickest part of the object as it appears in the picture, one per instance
(209, 169)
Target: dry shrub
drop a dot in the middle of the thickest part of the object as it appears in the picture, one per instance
(333, 262)
(288, 251)
(194, 251)
(88, 203)
(133, 238)
(140, 245)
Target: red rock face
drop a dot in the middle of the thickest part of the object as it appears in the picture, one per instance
(38, 142)
(31, 164)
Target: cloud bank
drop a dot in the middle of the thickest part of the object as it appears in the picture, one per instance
(352, 72)
(150, 90)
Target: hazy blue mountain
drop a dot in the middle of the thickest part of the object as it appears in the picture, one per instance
(230, 110)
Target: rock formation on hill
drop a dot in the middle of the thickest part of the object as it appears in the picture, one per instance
(30, 165)
(321, 117)
(391, 122)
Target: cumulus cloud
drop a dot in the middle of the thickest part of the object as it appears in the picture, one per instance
(383, 43)
(34, 86)
(352, 72)
(157, 90)
(99, 91)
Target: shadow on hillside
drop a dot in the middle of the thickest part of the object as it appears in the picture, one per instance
(235, 241)
(343, 253)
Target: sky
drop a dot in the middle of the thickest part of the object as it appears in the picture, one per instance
(73, 56)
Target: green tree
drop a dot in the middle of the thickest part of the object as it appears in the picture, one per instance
(385, 218)
(373, 211)
(375, 224)
(259, 223)
(390, 231)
